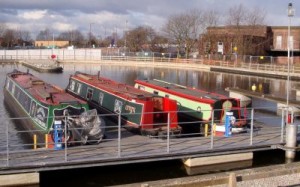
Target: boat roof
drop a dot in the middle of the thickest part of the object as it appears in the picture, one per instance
(111, 86)
(177, 89)
(42, 91)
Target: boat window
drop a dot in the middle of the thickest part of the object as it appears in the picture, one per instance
(33, 109)
(155, 92)
(78, 88)
(118, 106)
(167, 96)
(72, 85)
(101, 95)
(13, 89)
(7, 84)
(89, 94)
(141, 87)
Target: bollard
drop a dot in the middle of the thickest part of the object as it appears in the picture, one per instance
(34, 141)
(58, 133)
(227, 124)
(206, 130)
(214, 129)
(46, 141)
(290, 119)
(291, 140)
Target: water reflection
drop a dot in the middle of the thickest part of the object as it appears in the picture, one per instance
(209, 81)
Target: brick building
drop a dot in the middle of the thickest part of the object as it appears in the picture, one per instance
(241, 40)
(51, 43)
(250, 40)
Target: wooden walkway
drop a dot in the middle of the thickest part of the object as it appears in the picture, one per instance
(135, 148)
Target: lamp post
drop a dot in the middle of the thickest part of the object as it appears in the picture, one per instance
(90, 35)
(125, 33)
(291, 12)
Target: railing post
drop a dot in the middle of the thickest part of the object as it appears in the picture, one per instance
(212, 131)
(7, 146)
(282, 125)
(251, 127)
(119, 135)
(168, 134)
(66, 152)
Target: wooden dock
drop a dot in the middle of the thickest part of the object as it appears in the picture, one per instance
(132, 148)
(260, 95)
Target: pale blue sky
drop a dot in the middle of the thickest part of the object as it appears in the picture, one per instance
(111, 15)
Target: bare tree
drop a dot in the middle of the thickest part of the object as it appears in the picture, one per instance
(245, 24)
(75, 37)
(211, 18)
(183, 30)
(140, 38)
(9, 37)
(23, 38)
(2, 29)
(44, 35)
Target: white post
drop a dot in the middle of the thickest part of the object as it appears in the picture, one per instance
(212, 131)
(168, 135)
(119, 135)
(251, 130)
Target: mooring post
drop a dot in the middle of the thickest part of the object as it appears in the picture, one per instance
(168, 134)
(212, 131)
(119, 135)
(291, 138)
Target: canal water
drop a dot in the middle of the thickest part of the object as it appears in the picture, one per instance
(116, 175)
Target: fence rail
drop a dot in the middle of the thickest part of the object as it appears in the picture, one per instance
(232, 61)
(121, 145)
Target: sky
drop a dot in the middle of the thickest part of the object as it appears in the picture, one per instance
(103, 17)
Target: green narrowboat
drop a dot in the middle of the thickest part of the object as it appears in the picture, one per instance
(41, 104)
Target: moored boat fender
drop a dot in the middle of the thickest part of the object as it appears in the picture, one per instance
(87, 128)
(93, 126)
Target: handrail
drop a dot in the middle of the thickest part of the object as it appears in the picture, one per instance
(120, 143)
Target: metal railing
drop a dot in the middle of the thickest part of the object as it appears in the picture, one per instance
(96, 55)
(121, 143)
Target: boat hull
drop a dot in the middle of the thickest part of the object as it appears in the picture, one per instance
(24, 123)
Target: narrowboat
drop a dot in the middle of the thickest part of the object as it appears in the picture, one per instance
(195, 104)
(147, 113)
(42, 104)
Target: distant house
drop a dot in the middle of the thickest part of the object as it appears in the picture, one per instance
(51, 44)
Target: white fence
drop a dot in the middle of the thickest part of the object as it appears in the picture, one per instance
(60, 54)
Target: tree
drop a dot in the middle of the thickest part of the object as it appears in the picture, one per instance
(2, 29)
(210, 19)
(240, 18)
(140, 38)
(9, 38)
(75, 37)
(183, 30)
(44, 35)
(23, 38)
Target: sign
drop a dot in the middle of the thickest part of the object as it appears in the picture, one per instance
(220, 47)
